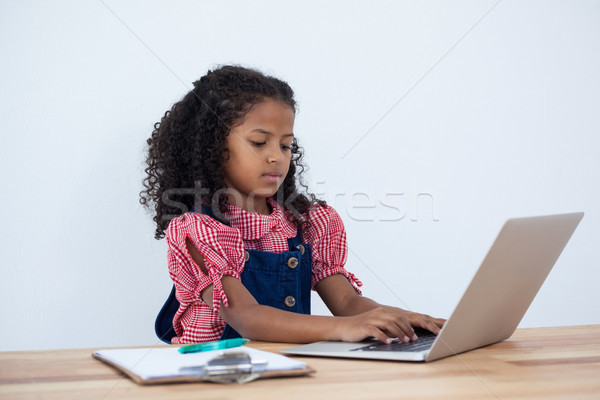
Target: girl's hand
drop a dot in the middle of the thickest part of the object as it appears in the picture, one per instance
(363, 317)
(434, 325)
(385, 323)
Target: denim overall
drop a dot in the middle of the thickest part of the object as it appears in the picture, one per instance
(280, 280)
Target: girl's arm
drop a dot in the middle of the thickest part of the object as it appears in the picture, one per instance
(357, 320)
(258, 322)
(341, 299)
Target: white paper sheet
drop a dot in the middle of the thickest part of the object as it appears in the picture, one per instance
(161, 362)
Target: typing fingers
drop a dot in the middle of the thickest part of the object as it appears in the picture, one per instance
(393, 325)
(427, 322)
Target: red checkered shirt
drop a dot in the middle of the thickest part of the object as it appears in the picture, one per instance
(223, 249)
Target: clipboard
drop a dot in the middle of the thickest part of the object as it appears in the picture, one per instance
(158, 365)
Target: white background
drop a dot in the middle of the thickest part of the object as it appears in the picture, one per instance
(474, 111)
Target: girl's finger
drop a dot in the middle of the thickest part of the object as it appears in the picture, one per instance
(402, 329)
(431, 324)
(380, 335)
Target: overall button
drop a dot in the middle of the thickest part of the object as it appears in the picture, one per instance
(290, 301)
(292, 262)
(301, 248)
(246, 256)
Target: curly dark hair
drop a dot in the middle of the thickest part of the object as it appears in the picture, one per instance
(187, 149)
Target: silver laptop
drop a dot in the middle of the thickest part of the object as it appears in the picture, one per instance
(493, 304)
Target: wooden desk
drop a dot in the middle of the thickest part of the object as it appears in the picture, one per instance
(540, 363)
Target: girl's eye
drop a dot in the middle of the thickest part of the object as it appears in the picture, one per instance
(286, 148)
(258, 144)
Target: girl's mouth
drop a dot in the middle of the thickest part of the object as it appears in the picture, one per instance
(273, 178)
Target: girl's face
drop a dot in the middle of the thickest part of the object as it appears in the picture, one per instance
(259, 155)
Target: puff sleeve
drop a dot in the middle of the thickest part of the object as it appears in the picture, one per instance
(329, 249)
(223, 252)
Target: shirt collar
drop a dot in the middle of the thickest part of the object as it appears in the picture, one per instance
(254, 225)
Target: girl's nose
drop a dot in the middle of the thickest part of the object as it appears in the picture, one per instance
(275, 155)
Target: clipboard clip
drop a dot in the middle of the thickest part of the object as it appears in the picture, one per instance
(228, 367)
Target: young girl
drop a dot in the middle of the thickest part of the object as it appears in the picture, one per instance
(245, 247)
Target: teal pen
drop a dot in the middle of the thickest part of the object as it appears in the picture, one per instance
(216, 345)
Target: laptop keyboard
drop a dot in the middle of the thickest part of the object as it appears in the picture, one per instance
(425, 342)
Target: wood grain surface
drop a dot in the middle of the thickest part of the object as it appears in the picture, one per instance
(538, 363)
